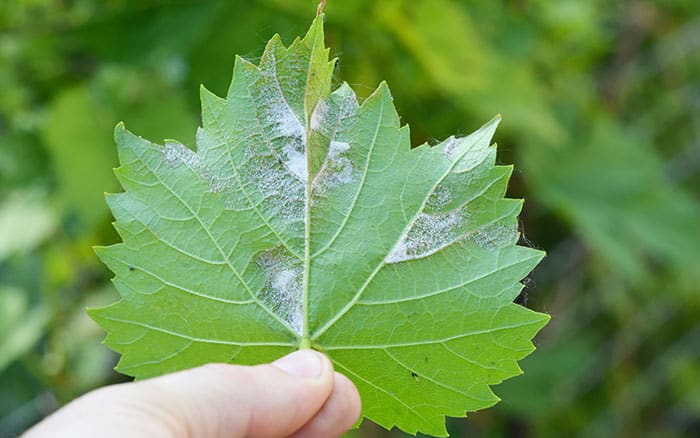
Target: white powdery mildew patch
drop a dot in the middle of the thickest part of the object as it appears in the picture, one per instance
(285, 193)
(176, 154)
(466, 152)
(286, 125)
(221, 185)
(318, 117)
(328, 117)
(282, 291)
(494, 236)
(274, 166)
(337, 156)
(336, 149)
(296, 161)
(450, 147)
(440, 198)
(428, 234)
(337, 168)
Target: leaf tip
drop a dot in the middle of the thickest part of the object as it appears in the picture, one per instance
(539, 254)
(545, 317)
(95, 313)
(100, 251)
(489, 128)
(119, 131)
(382, 91)
(315, 34)
(539, 321)
(275, 41)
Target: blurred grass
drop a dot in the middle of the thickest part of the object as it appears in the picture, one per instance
(600, 102)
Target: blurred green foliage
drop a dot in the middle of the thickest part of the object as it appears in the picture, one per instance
(601, 109)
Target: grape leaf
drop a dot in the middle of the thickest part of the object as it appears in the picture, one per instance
(305, 220)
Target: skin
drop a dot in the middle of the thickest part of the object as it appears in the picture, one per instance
(296, 396)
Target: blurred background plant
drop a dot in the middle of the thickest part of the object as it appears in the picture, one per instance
(601, 109)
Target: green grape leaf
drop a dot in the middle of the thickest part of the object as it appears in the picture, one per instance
(305, 220)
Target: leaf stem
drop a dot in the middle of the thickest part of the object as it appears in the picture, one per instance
(319, 9)
(305, 343)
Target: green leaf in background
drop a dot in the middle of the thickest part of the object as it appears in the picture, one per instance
(305, 220)
(83, 144)
(26, 220)
(74, 134)
(626, 209)
(20, 326)
(465, 69)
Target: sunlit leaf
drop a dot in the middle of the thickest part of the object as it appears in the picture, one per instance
(304, 219)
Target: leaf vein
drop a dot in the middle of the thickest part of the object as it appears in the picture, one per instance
(216, 245)
(195, 339)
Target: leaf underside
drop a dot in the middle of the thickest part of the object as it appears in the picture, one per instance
(305, 219)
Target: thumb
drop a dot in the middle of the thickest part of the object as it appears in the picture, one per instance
(266, 400)
(214, 400)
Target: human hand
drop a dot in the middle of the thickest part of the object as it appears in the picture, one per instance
(298, 395)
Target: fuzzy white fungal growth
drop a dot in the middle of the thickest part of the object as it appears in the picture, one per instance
(339, 163)
(450, 147)
(274, 182)
(428, 234)
(282, 291)
(177, 153)
(287, 124)
(288, 133)
(440, 198)
(219, 185)
(337, 168)
(337, 148)
(295, 161)
(319, 115)
(495, 236)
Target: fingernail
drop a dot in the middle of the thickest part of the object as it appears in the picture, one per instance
(303, 363)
